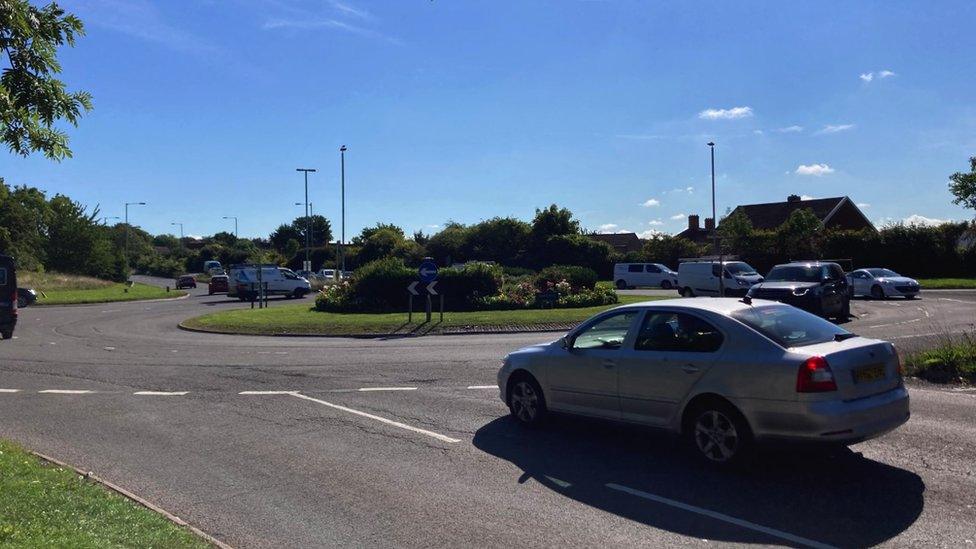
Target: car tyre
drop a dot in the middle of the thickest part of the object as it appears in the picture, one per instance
(526, 401)
(845, 310)
(666, 284)
(6, 334)
(718, 434)
(877, 292)
(298, 293)
(621, 285)
(687, 292)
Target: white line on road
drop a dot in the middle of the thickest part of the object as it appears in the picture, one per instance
(266, 392)
(482, 386)
(9, 390)
(160, 393)
(109, 348)
(66, 391)
(370, 389)
(722, 517)
(390, 422)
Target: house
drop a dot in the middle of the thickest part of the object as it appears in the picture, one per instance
(835, 213)
(620, 242)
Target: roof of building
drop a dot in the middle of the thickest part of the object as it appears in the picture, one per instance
(774, 214)
(620, 241)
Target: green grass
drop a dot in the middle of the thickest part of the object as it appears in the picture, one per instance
(947, 283)
(105, 294)
(47, 506)
(49, 282)
(952, 360)
(301, 319)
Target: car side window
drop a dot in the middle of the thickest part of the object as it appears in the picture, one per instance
(652, 268)
(607, 333)
(677, 332)
(635, 268)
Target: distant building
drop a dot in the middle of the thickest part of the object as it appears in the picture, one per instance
(620, 242)
(695, 233)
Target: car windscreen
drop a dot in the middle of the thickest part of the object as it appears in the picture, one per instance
(739, 269)
(794, 273)
(788, 326)
(882, 272)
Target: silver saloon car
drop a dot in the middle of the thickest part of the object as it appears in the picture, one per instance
(725, 373)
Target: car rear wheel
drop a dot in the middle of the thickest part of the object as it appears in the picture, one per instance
(526, 402)
(719, 434)
(298, 293)
(621, 285)
(686, 292)
(6, 334)
(877, 292)
(666, 284)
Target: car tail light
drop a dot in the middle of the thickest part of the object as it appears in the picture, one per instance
(815, 376)
(898, 365)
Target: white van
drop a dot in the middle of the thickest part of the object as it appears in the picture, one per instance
(243, 282)
(632, 275)
(701, 278)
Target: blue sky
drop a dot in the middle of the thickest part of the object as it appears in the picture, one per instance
(466, 110)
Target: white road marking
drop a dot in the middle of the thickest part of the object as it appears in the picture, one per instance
(924, 311)
(390, 422)
(896, 323)
(266, 392)
(160, 393)
(368, 389)
(66, 391)
(722, 517)
(482, 386)
(109, 348)
(9, 390)
(111, 311)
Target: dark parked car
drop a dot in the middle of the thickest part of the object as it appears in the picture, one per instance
(186, 281)
(819, 287)
(8, 296)
(26, 297)
(218, 284)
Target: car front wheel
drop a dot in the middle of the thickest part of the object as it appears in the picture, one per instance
(877, 292)
(621, 285)
(719, 434)
(526, 402)
(666, 284)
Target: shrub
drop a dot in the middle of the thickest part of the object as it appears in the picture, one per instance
(334, 297)
(579, 278)
(588, 298)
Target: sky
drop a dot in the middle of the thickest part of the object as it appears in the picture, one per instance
(466, 110)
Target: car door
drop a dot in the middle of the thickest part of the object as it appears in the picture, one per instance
(583, 379)
(635, 274)
(670, 352)
(652, 275)
(834, 289)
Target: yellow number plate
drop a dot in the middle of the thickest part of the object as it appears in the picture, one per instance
(869, 373)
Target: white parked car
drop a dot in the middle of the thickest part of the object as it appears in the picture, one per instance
(882, 283)
(243, 282)
(722, 372)
(701, 278)
(633, 275)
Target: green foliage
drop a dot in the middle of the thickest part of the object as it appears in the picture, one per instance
(576, 249)
(552, 221)
(449, 244)
(953, 360)
(963, 186)
(669, 249)
(23, 225)
(370, 231)
(32, 100)
(579, 278)
(501, 239)
(800, 236)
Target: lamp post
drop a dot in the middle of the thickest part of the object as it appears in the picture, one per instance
(125, 251)
(234, 217)
(718, 251)
(308, 220)
(311, 214)
(342, 179)
(104, 219)
(181, 229)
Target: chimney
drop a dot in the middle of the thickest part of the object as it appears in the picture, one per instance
(692, 222)
(793, 198)
(709, 224)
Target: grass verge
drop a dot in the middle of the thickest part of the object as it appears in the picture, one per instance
(105, 294)
(953, 360)
(947, 283)
(47, 506)
(301, 319)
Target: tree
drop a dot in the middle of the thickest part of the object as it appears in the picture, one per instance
(32, 100)
(448, 245)
(283, 235)
(553, 221)
(800, 236)
(369, 231)
(75, 243)
(669, 249)
(736, 232)
(501, 239)
(321, 230)
(963, 185)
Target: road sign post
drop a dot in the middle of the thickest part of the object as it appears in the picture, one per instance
(427, 283)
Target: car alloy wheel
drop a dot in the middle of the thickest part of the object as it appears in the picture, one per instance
(716, 436)
(666, 284)
(621, 285)
(524, 402)
(877, 292)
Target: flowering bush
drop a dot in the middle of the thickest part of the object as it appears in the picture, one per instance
(334, 298)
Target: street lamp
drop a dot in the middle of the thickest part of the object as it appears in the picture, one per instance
(311, 226)
(308, 220)
(181, 229)
(342, 178)
(234, 217)
(718, 251)
(126, 246)
(104, 219)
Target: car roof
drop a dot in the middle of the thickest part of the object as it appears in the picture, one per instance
(807, 263)
(720, 305)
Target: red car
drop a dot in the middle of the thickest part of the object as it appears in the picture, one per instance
(218, 284)
(186, 281)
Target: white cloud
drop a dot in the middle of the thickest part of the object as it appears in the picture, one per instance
(807, 197)
(689, 190)
(813, 169)
(651, 202)
(608, 228)
(725, 114)
(835, 128)
(349, 10)
(790, 129)
(676, 217)
(863, 205)
(649, 233)
(923, 221)
(886, 74)
(655, 223)
(758, 132)
(867, 76)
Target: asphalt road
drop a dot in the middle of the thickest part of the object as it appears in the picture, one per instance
(431, 459)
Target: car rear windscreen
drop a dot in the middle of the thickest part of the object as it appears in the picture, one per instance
(788, 326)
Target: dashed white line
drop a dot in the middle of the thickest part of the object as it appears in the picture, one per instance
(370, 389)
(160, 393)
(266, 392)
(9, 390)
(722, 517)
(482, 386)
(390, 422)
(66, 391)
(109, 348)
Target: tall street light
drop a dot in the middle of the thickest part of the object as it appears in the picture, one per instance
(125, 252)
(721, 266)
(311, 214)
(181, 229)
(308, 220)
(342, 178)
(234, 217)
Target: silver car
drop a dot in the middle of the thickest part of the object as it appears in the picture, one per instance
(723, 372)
(882, 283)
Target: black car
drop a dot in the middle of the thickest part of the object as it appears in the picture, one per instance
(8, 296)
(816, 286)
(26, 297)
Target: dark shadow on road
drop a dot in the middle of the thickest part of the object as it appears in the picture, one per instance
(834, 497)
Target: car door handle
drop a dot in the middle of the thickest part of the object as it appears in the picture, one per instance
(690, 369)
(609, 364)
